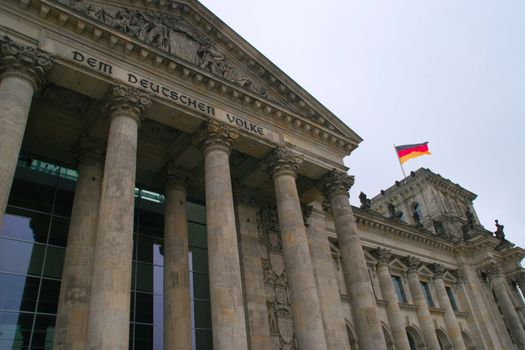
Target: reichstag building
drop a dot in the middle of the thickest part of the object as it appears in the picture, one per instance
(164, 186)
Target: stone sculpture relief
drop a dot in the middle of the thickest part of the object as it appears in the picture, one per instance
(280, 319)
(173, 35)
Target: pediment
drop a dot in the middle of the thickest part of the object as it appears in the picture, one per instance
(370, 259)
(425, 271)
(449, 278)
(191, 33)
(397, 266)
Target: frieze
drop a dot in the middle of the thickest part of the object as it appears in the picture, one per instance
(172, 34)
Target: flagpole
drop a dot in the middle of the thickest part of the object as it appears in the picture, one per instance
(401, 165)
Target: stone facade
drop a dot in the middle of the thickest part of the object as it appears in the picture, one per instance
(163, 96)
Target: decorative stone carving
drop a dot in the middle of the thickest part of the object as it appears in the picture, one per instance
(365, 202)
(70, 101)
(393, 213)
(90, 151)
(336, 182)
(125, 99)
(215, 134)
(499, 231)
(413, 263)
(24, 60)
(172, 34)
(175, 177)
(492, 270)
(439, 270)
(280, 319)
(282, 161)
(383, 256)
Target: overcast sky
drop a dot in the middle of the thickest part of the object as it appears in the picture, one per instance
(451, 72)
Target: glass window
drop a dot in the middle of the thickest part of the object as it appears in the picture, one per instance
(196, 212)
(426, 293)
(64, 200)
(150, 278)
(18, 293)
(199, 261)
(452, 298)
(31, 195)
(203, 339)
(197, 235)
(148, 337)
(25, 225)
(202, 314)
(48, 299)
(15, 330)
(43, 332)
(149, 250)
(201, 286)
(400, 291)
(149, 308)
(21, 257)
(54, 262)
(59, 231)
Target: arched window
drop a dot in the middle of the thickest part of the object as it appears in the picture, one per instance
(351, 336)
(415, 339)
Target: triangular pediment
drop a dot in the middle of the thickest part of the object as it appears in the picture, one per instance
(190, 32)
(397, 266)
(425, 272)
(449, 278)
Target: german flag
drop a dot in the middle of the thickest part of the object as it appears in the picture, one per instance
(406, 152)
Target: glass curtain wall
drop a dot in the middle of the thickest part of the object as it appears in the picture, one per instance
(33, 238)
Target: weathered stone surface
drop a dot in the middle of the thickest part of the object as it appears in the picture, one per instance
(75, 289)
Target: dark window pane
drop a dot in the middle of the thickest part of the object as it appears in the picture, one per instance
(151, 224)
(43, 332)
(426, 293)
(197, 235)
(196, 212)
(203, 339)
(199, 259)
(148, 337)
(49, 293)
(25, 225)
(150, 278)
(54, 262)
(400, 291)
(63, 201)
(149, 308)
(149, 250)
(18, 293)
(201, 286)
(202, 314)
(15, 330)
(32, 195)
(59, 231)
(452, 298)
(21, 257)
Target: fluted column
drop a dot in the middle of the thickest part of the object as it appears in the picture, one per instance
(423, 314)
(454, 332)
(177, 303)
(493, 272)
(110, 298)
(364, 309)
(22, 72)
(75, 289)
(308, 322)
(393, 311)
(227, 305)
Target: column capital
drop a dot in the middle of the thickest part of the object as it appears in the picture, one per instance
(413, 263)
(439, 271)
(336, 182)
(90, 151)
(24, 61)
(282, 161)
(175, 178)
(215, 134)
(492, 270)
(383, 256)
(461, 277)
(127, 100)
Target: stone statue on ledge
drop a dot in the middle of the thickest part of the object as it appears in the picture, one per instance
(393, 214)
(365, 202)
(499, 231)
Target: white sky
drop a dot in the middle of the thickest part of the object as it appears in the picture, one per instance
(451, 72)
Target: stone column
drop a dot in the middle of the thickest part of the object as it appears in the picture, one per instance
(75, 289)
(306, 310)
(110, 296)
(520, 281)
(423, 314)
(227, 304)
(327, 285)
(364, 309)
(397, 325)
(454, 332)
(177, 303)
(22, 72)
(493, 273)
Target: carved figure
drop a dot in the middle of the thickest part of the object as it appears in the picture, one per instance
(470, 217)
(365, 202)
(417, 219)
(174, 36)
(393, 214)
(499, 231)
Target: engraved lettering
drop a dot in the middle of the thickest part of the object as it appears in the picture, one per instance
(211, 110)
(132, 79)
(104, 67)
(165, 91)
(174, 95)
(92, 62)
(202, 107)
(77, 56)
(144, 83)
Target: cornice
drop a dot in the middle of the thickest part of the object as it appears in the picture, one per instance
(81, 25)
